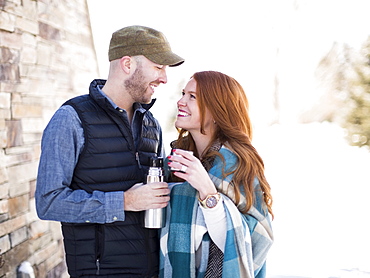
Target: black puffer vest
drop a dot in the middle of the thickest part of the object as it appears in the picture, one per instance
(112, 161)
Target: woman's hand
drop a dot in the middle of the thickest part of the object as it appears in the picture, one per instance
(192, 170)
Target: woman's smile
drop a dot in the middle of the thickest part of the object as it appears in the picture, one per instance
(183, 113)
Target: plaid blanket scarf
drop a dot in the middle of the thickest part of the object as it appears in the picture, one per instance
(249, 236)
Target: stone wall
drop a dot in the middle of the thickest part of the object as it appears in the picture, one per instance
(46, 56)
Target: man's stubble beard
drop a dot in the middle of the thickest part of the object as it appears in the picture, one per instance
(137, 87)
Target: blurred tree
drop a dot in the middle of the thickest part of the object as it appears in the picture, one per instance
(332, 86)
(357, 120)
(344, 80)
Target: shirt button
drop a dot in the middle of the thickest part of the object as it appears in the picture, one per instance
(115, 218)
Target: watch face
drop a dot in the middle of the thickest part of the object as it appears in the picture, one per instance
(211, 202)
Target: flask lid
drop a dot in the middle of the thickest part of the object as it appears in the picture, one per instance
(156, 162)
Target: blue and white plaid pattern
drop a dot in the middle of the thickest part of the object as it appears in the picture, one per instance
(249, 236)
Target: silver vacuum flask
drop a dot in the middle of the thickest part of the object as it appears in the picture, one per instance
(155, 218)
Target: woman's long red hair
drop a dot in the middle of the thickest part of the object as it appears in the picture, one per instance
(226, 100)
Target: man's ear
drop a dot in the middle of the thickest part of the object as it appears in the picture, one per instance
(126, 64)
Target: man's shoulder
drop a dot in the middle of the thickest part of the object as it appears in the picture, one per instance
(77, 99)
(65, 113)
(82, 103)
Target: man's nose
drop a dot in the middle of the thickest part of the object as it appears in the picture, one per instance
(163, 77)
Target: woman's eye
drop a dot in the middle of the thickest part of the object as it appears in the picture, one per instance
(192, 96)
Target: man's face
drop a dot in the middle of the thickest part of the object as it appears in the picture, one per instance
(146, 77)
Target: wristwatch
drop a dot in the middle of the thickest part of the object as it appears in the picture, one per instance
(210, 201)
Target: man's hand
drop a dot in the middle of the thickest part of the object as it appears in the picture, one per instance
(146, 196)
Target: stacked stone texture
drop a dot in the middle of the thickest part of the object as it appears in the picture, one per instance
(46, 56)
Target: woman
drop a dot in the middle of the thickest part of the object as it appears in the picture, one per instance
(218, 221)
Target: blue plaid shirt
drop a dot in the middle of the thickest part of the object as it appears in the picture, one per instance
(62, 143)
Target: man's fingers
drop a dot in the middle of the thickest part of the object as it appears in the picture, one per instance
(137, 185)
(158, 185)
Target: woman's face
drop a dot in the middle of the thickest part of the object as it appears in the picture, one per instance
(188, 116)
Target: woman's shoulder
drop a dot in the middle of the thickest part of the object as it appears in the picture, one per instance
(226, 162)
(227, 153)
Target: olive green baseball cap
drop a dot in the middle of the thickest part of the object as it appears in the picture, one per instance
(140, 40)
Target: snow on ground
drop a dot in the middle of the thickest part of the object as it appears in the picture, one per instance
(321, 195)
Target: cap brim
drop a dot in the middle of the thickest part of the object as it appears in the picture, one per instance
(166, 59)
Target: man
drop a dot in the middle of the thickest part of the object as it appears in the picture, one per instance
(95, 154)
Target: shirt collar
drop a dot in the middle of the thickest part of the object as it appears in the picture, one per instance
(115, 106)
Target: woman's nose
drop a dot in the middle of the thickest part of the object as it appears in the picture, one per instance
(181, 101)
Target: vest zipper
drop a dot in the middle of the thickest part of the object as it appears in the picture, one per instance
(97, 266)
(138, 159)
(99, 241)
